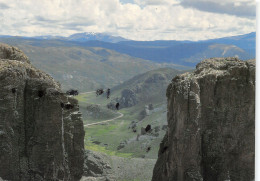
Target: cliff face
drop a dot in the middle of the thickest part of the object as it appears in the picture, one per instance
(41, 130)
(211, 116)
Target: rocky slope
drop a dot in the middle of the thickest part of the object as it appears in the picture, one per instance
(211, 117)
(101, 167)
(41, 130)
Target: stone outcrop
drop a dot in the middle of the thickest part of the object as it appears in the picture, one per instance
(41, 130)
(211, 119)
(128, 98)
(97, 167)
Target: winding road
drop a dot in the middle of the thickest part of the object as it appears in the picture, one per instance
(88, 92)
(101, 122)
(105, 121)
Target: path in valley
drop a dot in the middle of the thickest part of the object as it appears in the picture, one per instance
(120, 115)
(105, 121)
(88, 92)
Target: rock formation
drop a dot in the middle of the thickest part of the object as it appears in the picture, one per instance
(211, 118)
(128, 98)
(97, 167)
(41, 130)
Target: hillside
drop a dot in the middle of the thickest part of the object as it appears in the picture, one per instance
(181, 54)
(125, 136)
(145, 88)
(88, 68)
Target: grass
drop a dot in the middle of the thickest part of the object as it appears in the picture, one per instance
(104, 130)
(81, 98)
(108, 134)
(111, 134)
(97, 148)
(91, 98)
(86, 98)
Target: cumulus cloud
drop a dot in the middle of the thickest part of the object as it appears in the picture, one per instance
(241, 8)
(156, 2)
(132, 19)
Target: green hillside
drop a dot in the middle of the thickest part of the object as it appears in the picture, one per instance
(146, 88)
(86, 68)
(82, 67)
(124, 136)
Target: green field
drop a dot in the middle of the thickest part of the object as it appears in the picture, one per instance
(107, 137)
(131, 152)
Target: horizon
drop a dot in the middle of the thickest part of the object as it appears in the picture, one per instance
(47, 35)
(147, 20)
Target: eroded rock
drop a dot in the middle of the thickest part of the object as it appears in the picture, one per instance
(211, 118)
(39, 140)
(97, 167)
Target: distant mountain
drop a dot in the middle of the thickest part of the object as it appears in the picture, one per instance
(155, 44)
(181, 54)
(79, 37)
(246, 42)
(242, 41)
(82, 37)
(47, 37)
(88, 68)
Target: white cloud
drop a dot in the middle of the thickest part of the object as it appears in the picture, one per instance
(156, 2)
(142, 20)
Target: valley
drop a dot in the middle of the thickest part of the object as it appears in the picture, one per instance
(122, 144)
(148, 90)
(121, 135)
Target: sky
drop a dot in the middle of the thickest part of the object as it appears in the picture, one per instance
(131, 19)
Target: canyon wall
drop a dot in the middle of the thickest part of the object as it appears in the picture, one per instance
(211, 124)
(41, 130)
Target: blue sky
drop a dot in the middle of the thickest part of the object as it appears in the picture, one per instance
(132, 19)
(127, 1)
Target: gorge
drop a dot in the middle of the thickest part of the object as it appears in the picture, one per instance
(211, 124)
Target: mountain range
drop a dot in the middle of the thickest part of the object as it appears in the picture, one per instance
(186, 53)
(91, 60)
(79, 37)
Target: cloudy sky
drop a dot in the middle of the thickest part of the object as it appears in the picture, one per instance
(132, 19)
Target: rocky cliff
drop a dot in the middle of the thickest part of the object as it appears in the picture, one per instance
(211, 116)
(41, 130)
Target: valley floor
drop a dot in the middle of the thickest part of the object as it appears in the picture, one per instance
(132, 155)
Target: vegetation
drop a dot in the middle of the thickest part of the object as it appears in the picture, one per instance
(117, 137)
